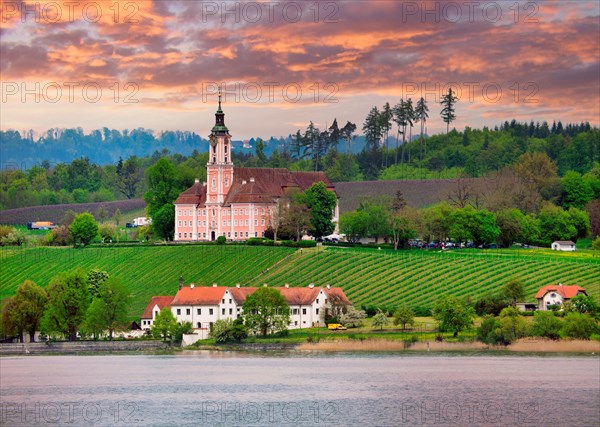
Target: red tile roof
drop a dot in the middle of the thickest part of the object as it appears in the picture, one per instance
(161, 301)
(257, 185)
(199, 295)
(211, 295)
(196, 194)
(567, 292)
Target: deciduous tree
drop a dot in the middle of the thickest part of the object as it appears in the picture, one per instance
(321, 203)
(453, 314)
(83, 228)
(265, 310)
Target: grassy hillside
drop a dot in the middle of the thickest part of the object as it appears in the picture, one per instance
(368, 276)
(146, 271)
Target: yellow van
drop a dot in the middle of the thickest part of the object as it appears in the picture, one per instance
(336, 327)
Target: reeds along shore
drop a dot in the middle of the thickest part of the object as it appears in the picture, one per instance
(524, 345)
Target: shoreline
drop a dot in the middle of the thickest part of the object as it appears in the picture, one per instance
(375, 345)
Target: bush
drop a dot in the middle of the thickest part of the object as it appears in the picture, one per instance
(490, 305)
(306, 244)
(546, 324)
(227, 330)
(108, 232)
(221, 240)
(60, 236)
(486, 332)
(422, 311)
(580, 326)
(15, 238)
(255, 241)
(5, 230)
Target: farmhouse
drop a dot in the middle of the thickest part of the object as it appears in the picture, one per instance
(204, 305)
(237, 203)
(153, 308)
(563, 245)
(557, 295)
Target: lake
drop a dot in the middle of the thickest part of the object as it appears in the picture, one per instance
(239, 389)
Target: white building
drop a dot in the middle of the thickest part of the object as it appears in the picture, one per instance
(204, 305)
(152, 309)
(563, 245)
(557, 295)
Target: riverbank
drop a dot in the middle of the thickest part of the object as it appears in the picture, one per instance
(76, 347)
(529, 345)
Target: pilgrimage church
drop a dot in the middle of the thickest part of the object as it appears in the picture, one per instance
(237, 203)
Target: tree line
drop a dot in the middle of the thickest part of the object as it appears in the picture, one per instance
(341, 154)
(74, 302)
(526, 203)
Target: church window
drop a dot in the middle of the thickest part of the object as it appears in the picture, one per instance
(179, 223)
(246, 222)
(226, 180)
(223, 311)
(185, 235)
(229, 234)
(235, 234)
(255, 222)
(213, 212)
(235, 222)
(255, 234)
(231, 311)
(214, 148)
(226, 149)
(263, 222)
(246, 211)
(214, 182)
(204, 234)
(199, 223)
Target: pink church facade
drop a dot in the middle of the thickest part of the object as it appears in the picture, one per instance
(238, 203)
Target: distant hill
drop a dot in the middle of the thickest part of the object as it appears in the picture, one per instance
(55, 213)
(417, 193)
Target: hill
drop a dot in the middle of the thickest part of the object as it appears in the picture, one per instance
(368, 276)
(55, 213)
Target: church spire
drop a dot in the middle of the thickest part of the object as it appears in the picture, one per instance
(219, 128)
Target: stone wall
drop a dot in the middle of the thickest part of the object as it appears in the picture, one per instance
(79, 347)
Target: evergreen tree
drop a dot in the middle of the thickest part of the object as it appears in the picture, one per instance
(421, 115)
(448, 111)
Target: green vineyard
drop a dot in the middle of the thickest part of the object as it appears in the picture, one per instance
(371, 277)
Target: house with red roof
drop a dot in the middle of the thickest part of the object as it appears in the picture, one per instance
(557, 294)
(153, 308)
(204, 305)
(237, 203)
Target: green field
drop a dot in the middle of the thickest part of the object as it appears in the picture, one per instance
(368, 276)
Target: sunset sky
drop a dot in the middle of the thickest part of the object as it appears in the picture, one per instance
(156, 64)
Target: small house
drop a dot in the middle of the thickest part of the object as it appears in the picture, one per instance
(557, 295)
(154, 307)
(563, 245)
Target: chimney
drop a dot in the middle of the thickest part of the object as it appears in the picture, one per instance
(312, 285)
(328, 287)
(196, 181)
(244, 182)
(252, 179)
(287, 285)
(192, 286)
(237, 285)
(214, 285)
(180, 282)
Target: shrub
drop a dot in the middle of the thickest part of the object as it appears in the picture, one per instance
(221, 240)
(15, 238)
(60, 236)
(486, 332)
(490, 305)
(306, 244)
(5, 230)
(254, 241)
(227, 330)
(108, 232)
(422, 311)
(581, 326)
(546, 324)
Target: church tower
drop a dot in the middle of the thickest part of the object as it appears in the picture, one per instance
(219, 169)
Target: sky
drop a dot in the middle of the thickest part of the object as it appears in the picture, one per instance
(281, 64)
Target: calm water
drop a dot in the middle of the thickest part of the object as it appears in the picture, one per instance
(230, 389)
